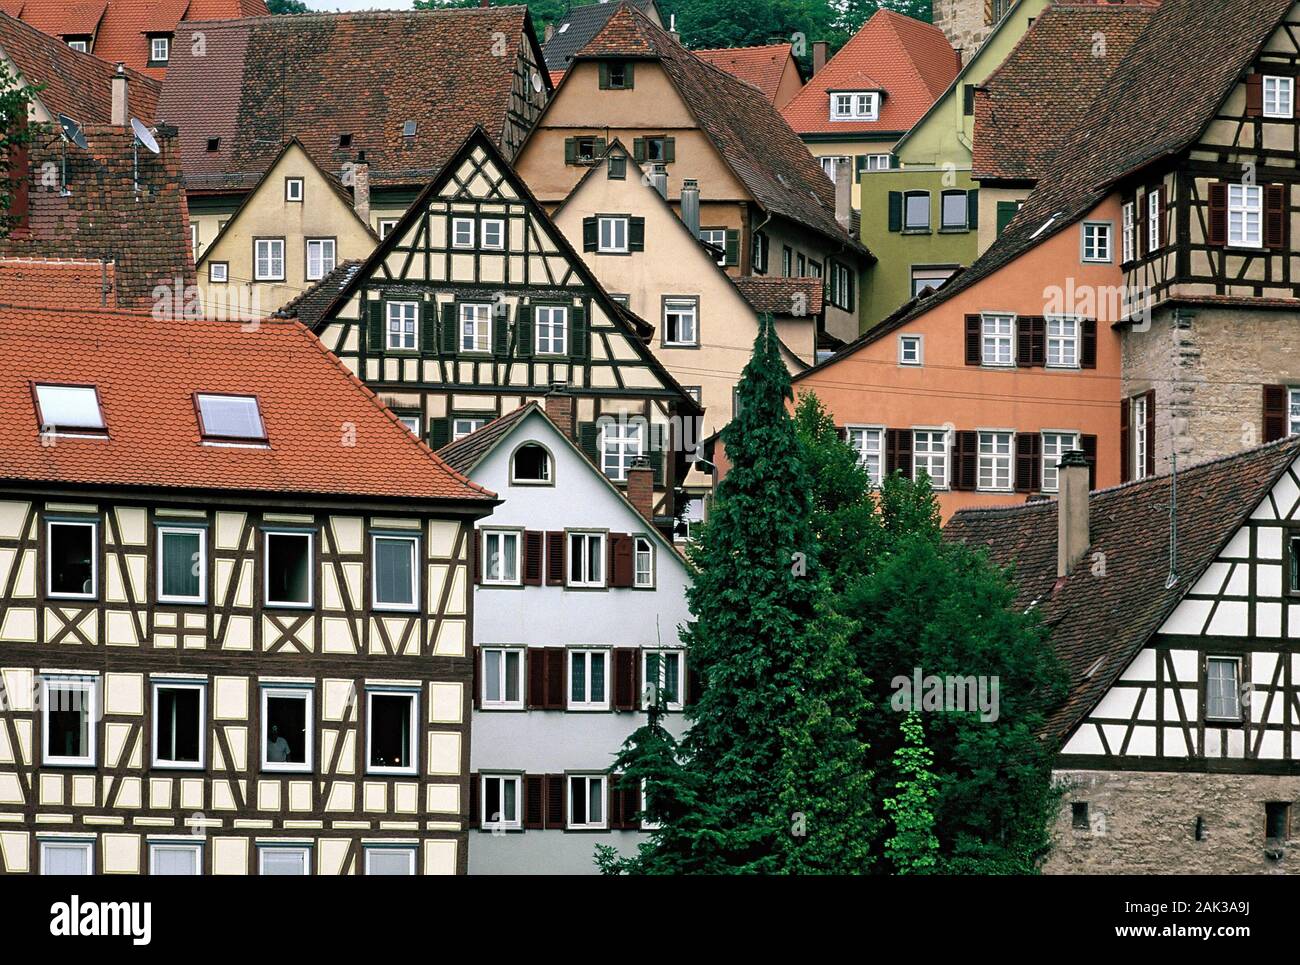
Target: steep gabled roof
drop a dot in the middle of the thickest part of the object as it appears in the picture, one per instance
(258, 82)
(578, 25)
(1109, 619)
(750, 135)
(76, 84)
(761, 67)
(911, 61)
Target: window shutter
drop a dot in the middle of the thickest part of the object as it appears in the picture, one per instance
(1159, 240)
(894, 162)
(1089, 446)
(658, 446)
(973, 208)
(579, 337)
(670, 150)
(555, 558)
(604, 75)
(570, 150)
(895, 210)
(638, 149)
(965, 460)
(524, 331)
(620, 555)
(439, 433)
(500, 322)
(1029, 462)
(476, 556)
(375, 327)
(1140, 214)
(1006, 214)
(1088, 343)
(616, 802)
(477, 682)
(535, 659)
(968, 100)
(533, 553)
(589, 441)
(1218, 218)
(636, 234)
(1276, 215)
(590, 234)
(626, 666)
(628, 72)
(556, 658)
(1276, 414)
(974, 353)
(1151, 432)
(473, 817)
(598, 147)
(534, 801)
(1024, 350)
(447, 332)
(1037, 340)
(555, 801)
(859, 165)
(732, 246)
(428, 328)
(1125, 442)
(898, 452)
(1255, 95)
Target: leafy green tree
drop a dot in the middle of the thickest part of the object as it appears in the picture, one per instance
(913, 847)
(287, 6)
(15, 131)
(544, 12)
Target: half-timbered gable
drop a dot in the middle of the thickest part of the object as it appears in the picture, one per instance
(476, 304)
(234, 606)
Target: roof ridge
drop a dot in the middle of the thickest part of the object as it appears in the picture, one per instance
(324, 15)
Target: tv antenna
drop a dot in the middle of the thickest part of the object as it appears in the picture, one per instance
(69, 131)
(142, 136)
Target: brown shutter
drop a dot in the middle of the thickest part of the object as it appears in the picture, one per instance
(1276, 215)
(1088, 343)
(556, 658)
(626, 665)
(473, 817)
(1089, 446)
(1276, 415)
(477, 683)
(1125, 443)
(533, 553)
(898, 451)
(1031, 341)
(535, 658)
(1218, 216)
(475, 556)
(1029, 462)
(555, 798)
(620, 556)
(973, 339)
(534, 801)
(1255, 95)
(965, 460)
(1151, 432)
(555, 559)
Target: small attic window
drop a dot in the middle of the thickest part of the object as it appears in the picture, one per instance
(69, 408)
(531, 464)
(345, 140)
(214, 144)
(229, 418)
(563, 27)
(1047, 224)
(408, 129)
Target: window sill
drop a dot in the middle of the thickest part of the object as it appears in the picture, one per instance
(287, 606)
(1227, 723)
(298, 769)
(73, 597)
(281, 278)
(167, 766)
(955, 231)
(679, 344)
(582, 709)
(917, 231)
(485, 585)
(506, 708)
(75, 765)
(393, 608)
(181, 601)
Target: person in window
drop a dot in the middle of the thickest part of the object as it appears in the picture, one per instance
(277, 748)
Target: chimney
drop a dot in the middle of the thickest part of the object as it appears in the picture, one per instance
(672, 28)
(559, 409)
(1071, 512)
(843, 195)
(548, 33)
(819, 55)
(361, 187)
(691, 206)
(659, 178)
(121, 104)
(641, 487)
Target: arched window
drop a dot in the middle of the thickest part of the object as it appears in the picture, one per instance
(531, 464)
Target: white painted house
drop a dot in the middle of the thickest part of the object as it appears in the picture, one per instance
(579, 601)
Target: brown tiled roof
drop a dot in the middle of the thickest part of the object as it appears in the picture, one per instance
(911, 61)
(310, 306)
(769, 293)
(1110, 618)
(748, 132)
(579, 24)
(147, 233)
(76, 84)
(761, 67)
(67, 283)
(464, 454)
(1047, 84)
(258, 82)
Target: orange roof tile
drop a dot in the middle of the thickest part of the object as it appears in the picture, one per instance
(911, 61)
(327, 433)
(66, 282)
(759, 67)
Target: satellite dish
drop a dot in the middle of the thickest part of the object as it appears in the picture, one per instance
(143, 135)
(71, 131)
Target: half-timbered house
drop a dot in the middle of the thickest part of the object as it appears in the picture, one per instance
(234, 607)
(476, 304)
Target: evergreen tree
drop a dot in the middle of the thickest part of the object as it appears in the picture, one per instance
(287, 6)
(913, 848)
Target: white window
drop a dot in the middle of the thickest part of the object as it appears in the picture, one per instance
(500, 557)
(588, 680)
(381, 860)
(681, 321)
(402, 325)
(475, 327)
(586, 559)
(71, 559)
(1279, 97)
(178, 725)
(923, 278)
(69, 408)
(1245, 215)
(1055, 445)
(620, 444)
(175, 858)
(867, 442)
(1096, 241)
(831, 163)
(613, 234)
(462, 232)
(531, 465)
(230, 418)
(1130, 233)
(994, 460)
(69, 711)
(287, 728)
(689, 516)
(503, 677)
(219, 272)
(391, 727)
(551, 324)
(916, 211)
(194, 240)
(587, 801)
(494, 234)
(1223, 688)
(160, 49)
(854, 106)
(998, 340)
(1153, 221)
(955, 209)
(293, 189)
(716, 238)
(909, 350)
(284, 860)
(463, 426)
(1062, 342)
(1293, 400)
(386, 225)
(930, 456)
(320, 258)
(396, 572)
(287, 569)
(500, 794)
(877, 162)
(67, 857)
(79, 45)
(643, 562)
(662, 678)
(268, 259)
(182, 564)
(1138, 408)
(412, 423)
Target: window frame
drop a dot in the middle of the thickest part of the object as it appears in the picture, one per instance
(90, 685)
(931, 456)
(589, 653)
(1053, 470)
(929, 277)
(680, 653)
(1128, 214)
(270, 259)
(456, 434)
(954, 195)
(681, 306)
(221, 439)
(1007, 338)
(304, 849)
(1101, 230)
(612, 220)
(1246, 212)
(919, 358)
(85, 845)
(929, 213)
(483, 234)
(157, 845)
(166, 683)
(874, 479)
(409, 850)
(487, 652)
(502, 535)
(385, 226)
(295, 190)
(587, 778)
(997, 463)
(333, 258)
(1074, 340)
(552, 341)
(463, 222)
(637, 541)
(1139, 442)
(1239, 718)
(161, 530)
(623, 454)
(166, 42)
(266, 569)
(413, 742)
(505, 824)
(688, 498)
(93, 526)
(45, 427)
(401, 306)
(586, 535)
(1154, 213)
(213, 266)
(284, 691)
(413, 542)
(468, 312)
(863, 105)
(517, 480)
(1280, 84)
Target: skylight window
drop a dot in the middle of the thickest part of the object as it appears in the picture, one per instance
(1047, 224)
(69, 408)
(408, 129)
(230, 418)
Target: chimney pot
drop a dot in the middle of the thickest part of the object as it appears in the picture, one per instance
(1072, 525)
(120, 116)
(659, 178)
(691, 206)
(641, 487)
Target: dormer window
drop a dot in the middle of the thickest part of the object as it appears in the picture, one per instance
(160, 50)
(81, 44)
(855, 105)
(229, 418)
(71, 409)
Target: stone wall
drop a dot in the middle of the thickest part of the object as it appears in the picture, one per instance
(964, 22)
(1145, 823)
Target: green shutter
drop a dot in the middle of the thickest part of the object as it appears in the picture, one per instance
(733, 246)
(604, 75)
(894, 162)
(375, 327)
(500, 321)
(587, 441)
(627, 75)
(579, 346)
(447, 331)
(859, 165)
(895, 210)
(439, 433)
(973, 208)
(570, 150)
(598, 149)
(524, 332)
(1006, 212)
(670, 149)
(636, 234)
(590, 234)
(638, 149)
(428, 328)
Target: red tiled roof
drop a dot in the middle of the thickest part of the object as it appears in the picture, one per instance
(760, 67)
(911, 61)
(147, 372)
(256, 83)
(75, 84)
(121, 27)
(68, 283)
(102, 216)
(770, 293)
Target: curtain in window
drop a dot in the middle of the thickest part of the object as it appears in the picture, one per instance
(180, 564)
(393, 571)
